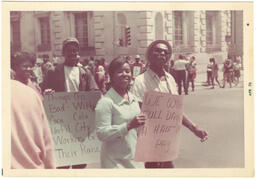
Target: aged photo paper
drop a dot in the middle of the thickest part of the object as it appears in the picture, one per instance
(201, 29)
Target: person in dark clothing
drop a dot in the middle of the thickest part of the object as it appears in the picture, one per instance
(214, 75)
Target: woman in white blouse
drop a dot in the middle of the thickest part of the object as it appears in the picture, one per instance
(117, 117)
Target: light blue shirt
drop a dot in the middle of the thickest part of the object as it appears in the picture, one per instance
(118, 144)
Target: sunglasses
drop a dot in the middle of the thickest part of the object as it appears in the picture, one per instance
(160, 50)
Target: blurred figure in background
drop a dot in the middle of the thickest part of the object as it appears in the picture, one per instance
(137, 66)
(180, 72)
(227, 72)
(237, 68)
(209, 72)
(215, 70)
(191, 67)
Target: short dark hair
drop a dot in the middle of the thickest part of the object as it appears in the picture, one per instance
(116, 64)
(20, 57)
(154, 43)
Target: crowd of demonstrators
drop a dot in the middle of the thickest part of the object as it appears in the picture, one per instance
(31, 140)
(180, 74)
(157, 79)
(22, 64)
(117, 117)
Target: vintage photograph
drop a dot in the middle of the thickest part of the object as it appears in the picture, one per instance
(122, 89)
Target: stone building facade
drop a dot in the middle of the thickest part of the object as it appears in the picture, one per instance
(103, 34)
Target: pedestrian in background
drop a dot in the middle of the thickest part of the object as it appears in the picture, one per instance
(31, 140)
(180, 72)
(237, 68)
(100, 77)
(227, 72)
(157, 79)
(137, 66)
(209, 72)
(117, 117)
(215, 70)
(191, 67)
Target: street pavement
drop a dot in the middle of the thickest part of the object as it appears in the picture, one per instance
(220, 112)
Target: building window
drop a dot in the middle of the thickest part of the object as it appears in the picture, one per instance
(81, 29)
(45, 34)
(178, 28)
(15, 36)
(209, 28)
(159, 30)
(213, 31)
(124, 31)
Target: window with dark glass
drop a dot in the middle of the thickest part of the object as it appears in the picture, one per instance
(45, 34)
(15, 41)
(81, 28)
(209, 28)
(178, 28)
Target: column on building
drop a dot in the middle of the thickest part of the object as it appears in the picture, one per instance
(58, 31)
(197, 31)
(146, 32)
(99, 33)
(202, 31)
(169, 27)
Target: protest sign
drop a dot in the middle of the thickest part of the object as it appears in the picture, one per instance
(72, 121)
(158, 139)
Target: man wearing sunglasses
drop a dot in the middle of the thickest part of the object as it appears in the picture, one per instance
(156, 78)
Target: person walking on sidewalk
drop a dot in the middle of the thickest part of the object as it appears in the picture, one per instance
(227, 73)
(209, 72)
(180, 72)
(215, 70)
(191, 72)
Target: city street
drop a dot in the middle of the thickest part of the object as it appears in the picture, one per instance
(220, 112)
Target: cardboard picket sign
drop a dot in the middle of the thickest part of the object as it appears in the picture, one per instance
(71, 118)
(158, 139)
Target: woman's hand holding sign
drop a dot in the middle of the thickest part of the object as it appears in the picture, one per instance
(136, 122)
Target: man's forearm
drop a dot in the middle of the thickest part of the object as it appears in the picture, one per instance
(186, 122)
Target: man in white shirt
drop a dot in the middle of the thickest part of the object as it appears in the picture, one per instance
(180, 71)
(156, 78)
(70, 76)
